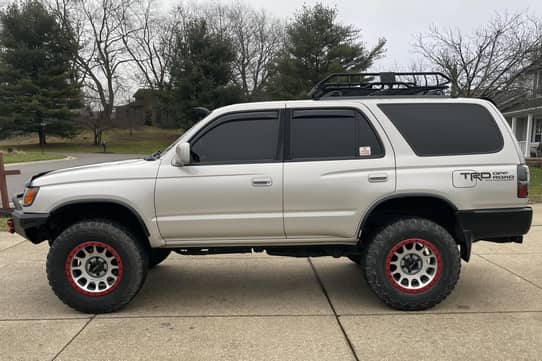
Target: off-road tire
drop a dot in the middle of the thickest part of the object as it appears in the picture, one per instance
(157, 256)
(121, 242)
(377, 264)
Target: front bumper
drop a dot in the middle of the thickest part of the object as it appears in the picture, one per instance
(29, 225)
(497, 225)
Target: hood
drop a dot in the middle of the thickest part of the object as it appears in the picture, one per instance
(126, 169)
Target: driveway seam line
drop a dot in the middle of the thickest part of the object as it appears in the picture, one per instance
(73, 338)
(512, 272)
(209, 316)
(417, 313)
(43, 319)
(157, 316)
(248, 316)
(12, 246)
(345, 335)
(506, 254)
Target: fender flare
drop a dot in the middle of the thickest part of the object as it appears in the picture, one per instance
(104, 201)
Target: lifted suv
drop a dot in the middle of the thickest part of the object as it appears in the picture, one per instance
(379, 170)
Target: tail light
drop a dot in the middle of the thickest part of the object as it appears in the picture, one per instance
(523, 181)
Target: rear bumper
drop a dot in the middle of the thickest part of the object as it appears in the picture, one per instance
(498, 225)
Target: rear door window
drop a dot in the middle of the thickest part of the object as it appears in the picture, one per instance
(437, 129)
(319, 134)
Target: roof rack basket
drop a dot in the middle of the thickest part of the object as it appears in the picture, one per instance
(380, 84)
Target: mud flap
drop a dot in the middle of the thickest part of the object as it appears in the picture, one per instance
(466, 245)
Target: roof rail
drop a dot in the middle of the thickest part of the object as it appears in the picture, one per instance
(380, 84)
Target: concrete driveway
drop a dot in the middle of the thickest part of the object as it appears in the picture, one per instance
(16, 182)
(257, 307)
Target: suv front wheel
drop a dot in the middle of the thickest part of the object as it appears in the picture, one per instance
(96, 266)
(412, 264)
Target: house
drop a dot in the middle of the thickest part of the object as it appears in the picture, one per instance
(523, 111)
(145, 109)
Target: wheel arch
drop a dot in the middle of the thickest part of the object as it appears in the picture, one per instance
(427, 205)
(72, 211)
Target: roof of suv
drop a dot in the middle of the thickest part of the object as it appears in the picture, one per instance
(337, 101)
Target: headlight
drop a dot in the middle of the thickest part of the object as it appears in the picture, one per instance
(30, 194)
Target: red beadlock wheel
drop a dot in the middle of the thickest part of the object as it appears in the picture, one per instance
(94, 268)
(413, 265)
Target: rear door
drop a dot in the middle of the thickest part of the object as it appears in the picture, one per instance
(337, 164)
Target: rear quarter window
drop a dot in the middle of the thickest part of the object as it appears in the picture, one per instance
(437, 129)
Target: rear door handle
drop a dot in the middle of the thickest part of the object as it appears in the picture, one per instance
(262, 182)
(378, 178)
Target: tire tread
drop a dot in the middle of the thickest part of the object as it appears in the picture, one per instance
(122, 235)
(387, 232)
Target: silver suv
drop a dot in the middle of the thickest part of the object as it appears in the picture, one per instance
(381, 171)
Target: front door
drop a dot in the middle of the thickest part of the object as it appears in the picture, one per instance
(232, 189)
(336, 167)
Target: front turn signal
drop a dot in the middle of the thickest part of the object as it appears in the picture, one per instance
(30, 195)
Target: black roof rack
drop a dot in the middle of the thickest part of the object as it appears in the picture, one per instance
(380, 84)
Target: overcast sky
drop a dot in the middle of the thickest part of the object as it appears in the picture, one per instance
(400, 20)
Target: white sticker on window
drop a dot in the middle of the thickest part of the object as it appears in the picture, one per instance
(364, 151)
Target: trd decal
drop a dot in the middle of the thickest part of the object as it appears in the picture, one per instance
(487, 176)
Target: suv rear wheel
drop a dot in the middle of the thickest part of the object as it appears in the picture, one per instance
(96, 266)
(412, 264)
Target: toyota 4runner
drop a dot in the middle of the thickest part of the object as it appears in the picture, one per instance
(387, 172)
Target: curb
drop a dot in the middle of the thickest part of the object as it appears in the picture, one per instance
(42, 161)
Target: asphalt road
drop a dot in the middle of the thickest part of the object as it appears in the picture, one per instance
(16, 182)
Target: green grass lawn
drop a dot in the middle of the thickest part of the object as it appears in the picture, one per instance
(535, 185)
(144, 140)
(22, 156)
(3, 224)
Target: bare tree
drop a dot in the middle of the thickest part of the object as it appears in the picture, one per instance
(257, 37)
(102, 53)
(149, 39)
(487, 62)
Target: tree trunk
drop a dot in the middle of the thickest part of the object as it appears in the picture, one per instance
(42, 137)
(97, 135)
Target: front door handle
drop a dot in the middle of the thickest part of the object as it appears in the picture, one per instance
(378, 178)
(262, 182)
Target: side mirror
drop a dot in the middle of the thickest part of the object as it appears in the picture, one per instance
(183, 154)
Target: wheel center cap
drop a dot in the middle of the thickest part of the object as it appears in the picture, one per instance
(96, 266)
(411, 263)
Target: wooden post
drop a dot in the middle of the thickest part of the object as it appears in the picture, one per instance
(4, 182)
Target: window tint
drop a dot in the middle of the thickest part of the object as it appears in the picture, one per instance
(445, 129)
(367, 138)
(248, 137)
(332, 134)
